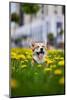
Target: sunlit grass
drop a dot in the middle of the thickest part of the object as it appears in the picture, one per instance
(29, 79)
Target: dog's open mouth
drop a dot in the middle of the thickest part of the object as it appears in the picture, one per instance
(40, 55)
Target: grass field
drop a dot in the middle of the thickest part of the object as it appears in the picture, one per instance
(29, 79)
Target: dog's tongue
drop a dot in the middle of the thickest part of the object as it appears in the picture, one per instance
(40, 56)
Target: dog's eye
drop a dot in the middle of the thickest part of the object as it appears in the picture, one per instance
(37, 46)
(43, 46)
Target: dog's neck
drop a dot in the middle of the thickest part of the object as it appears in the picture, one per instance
(37, 60)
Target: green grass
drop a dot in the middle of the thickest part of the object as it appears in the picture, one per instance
(29, 79)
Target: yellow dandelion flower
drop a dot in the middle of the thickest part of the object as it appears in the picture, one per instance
(28, 57)
(61, 63)
(13, 83)
(26, 53)
(57, 72)
(23, 66)
(13, 54)
(61, 81)
(21, 57)
(46, 58)
(49, 61)
(47, 69)
(13, 57)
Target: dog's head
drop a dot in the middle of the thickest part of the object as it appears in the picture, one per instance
(39, 51)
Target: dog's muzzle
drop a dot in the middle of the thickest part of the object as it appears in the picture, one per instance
(41, 52)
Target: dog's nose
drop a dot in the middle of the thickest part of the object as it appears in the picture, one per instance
(41, 49)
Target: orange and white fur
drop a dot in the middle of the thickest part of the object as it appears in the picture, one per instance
(39, 52)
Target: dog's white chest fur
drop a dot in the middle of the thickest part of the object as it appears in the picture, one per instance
(37, 60)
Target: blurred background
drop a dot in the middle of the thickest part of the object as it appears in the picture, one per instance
(36, 22)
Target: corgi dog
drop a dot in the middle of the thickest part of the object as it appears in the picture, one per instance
(39, 52)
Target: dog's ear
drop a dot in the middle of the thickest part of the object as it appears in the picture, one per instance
(33, 45)
(45, 45)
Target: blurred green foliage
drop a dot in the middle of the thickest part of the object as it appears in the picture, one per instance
(30, 8)
(15, 17)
